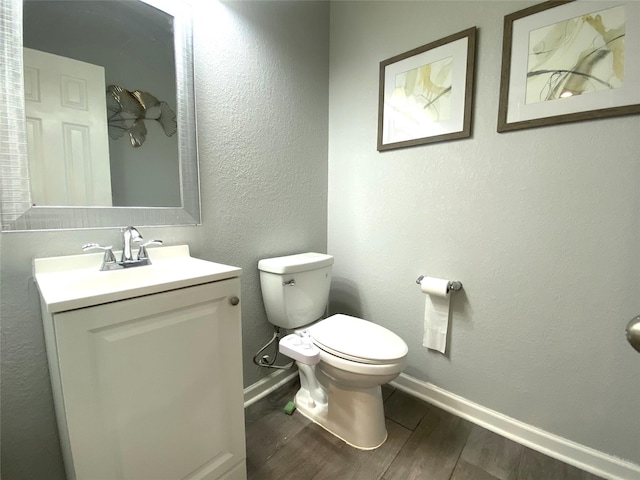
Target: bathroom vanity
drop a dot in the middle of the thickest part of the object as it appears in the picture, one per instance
(145, 366)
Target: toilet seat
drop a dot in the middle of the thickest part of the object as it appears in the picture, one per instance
(358, 340)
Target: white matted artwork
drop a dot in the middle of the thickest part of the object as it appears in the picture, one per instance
(426, 93)
(568, 61)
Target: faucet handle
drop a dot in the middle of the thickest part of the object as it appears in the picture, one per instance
(109, 257)
(142, 251)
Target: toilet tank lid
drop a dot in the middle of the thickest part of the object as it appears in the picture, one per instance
(295, 263)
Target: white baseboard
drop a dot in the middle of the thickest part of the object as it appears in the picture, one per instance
(572, 453)
(268, 384)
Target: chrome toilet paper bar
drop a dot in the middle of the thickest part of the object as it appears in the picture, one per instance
(451, 287)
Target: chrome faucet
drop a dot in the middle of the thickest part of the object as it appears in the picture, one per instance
(129, 235)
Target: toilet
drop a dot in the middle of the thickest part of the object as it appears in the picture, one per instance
(342, 360)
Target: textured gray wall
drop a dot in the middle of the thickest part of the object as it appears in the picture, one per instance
(540, 225)
(262, 92)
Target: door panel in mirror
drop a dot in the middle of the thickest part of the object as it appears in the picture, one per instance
(66, 131)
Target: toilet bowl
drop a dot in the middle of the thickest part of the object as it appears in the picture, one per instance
(356, 357)
(342, 360)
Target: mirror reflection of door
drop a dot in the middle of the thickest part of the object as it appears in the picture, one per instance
(67, 131)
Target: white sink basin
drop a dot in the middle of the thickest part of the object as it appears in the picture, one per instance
(75, 281)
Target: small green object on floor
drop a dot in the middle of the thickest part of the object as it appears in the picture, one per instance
(289, 408)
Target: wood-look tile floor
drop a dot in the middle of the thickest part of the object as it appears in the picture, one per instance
(424, 442)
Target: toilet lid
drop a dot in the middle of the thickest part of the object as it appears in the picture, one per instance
(358, 340)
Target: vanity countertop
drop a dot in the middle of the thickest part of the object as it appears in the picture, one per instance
(75, 281)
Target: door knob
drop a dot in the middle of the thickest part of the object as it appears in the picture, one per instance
(234, 301)
(633, 332)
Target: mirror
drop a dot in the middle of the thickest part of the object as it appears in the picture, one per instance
(150, 172)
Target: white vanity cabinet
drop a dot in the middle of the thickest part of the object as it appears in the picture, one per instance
(149, 386)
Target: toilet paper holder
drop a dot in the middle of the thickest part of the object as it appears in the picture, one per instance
(452, 286)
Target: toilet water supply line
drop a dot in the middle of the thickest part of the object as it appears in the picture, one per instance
(264, 361)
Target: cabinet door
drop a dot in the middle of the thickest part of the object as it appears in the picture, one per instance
(152, 386)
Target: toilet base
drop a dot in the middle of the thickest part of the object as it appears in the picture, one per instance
(354, 416)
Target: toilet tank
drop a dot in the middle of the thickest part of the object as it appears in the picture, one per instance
(295, 288)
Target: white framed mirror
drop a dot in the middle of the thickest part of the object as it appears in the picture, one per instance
(162, 191)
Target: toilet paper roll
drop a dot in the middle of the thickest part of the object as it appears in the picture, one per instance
(436, 313)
